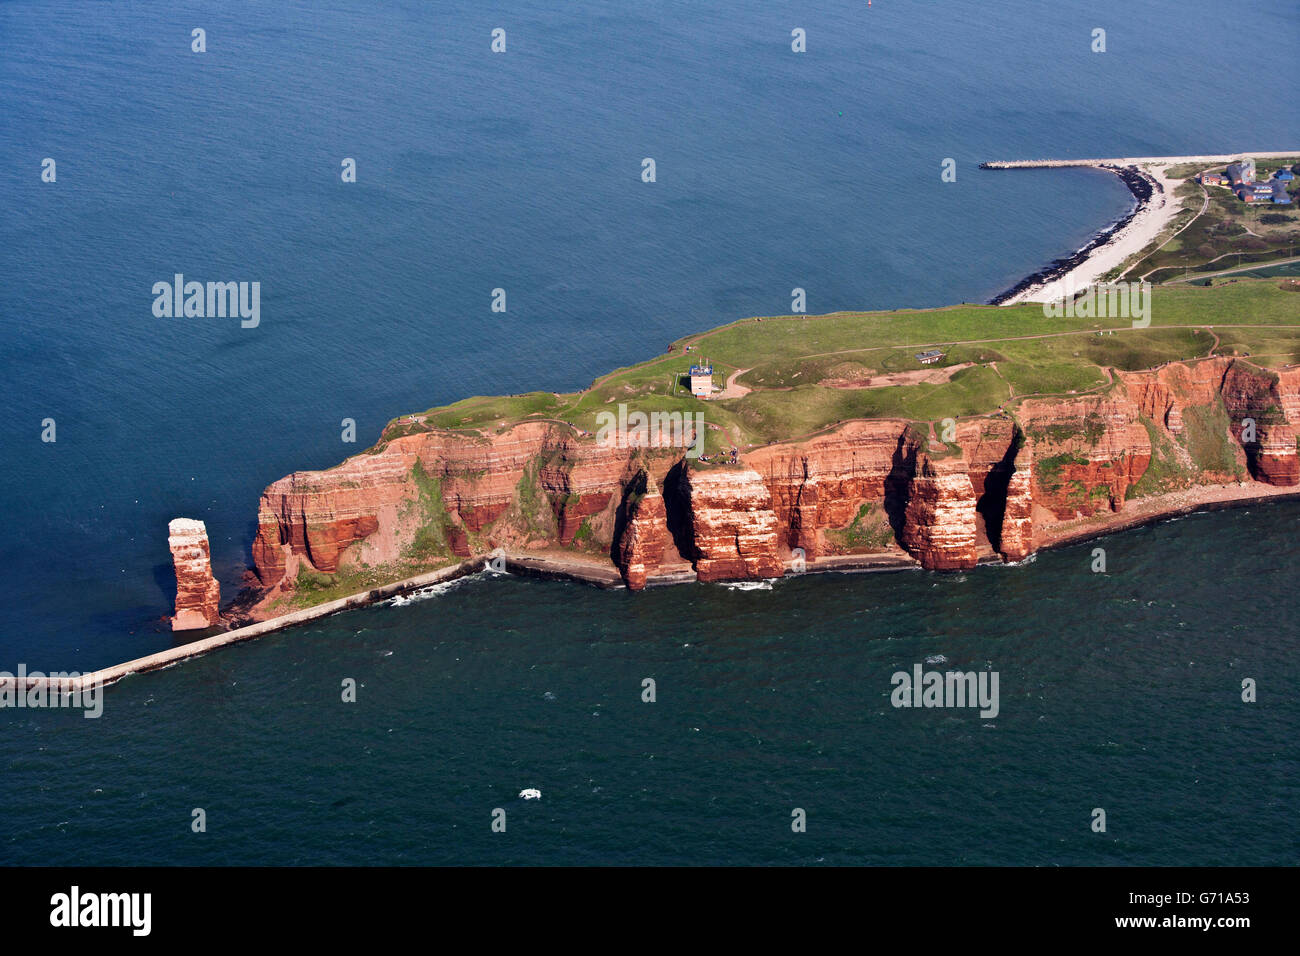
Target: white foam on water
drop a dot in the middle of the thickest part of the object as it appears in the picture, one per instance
(427, 593)
(748, 585)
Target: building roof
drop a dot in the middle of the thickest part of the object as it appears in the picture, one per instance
(701, 369)
(1284, 174)
(932, 353)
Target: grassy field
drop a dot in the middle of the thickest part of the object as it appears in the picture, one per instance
(1016, 351)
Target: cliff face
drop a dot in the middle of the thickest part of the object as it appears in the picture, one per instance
(1261, 408)
(1271, 401)
(439, 493)
(940, 525)
(877, 487)
(645, 539)
(1088, 452)
(198, 596)
(823, 483)
(1017, 536)
(733, 527)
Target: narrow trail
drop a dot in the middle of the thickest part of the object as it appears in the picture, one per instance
(1010, 388)
(1044, 335)
(1205, 205)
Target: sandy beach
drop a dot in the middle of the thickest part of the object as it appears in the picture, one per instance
(1145, 224)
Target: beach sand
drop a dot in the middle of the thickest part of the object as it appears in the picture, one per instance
(1132, 237)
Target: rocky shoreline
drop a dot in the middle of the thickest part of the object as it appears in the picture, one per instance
(552, 568)
(1141, 184)
(863, 491)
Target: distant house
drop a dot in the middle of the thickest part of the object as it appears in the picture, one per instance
(702, 381)
(1241, 180)
(1212, 179)
(930, 357)
(1241, 173)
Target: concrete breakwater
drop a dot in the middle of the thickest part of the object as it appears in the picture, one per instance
(1134, 160)
(174, 655)
(527, 565)
(603, 577)
(524, 565)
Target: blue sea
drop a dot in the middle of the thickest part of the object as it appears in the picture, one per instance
(522, 170)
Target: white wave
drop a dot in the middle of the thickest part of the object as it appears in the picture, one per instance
(425, 593)
(748, 585)
(936, 659)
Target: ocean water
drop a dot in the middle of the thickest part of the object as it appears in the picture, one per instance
(519, 171)
(1119, 691)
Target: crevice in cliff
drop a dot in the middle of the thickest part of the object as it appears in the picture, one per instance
(992, 504)
(677, 505)
(632, 493)
(898, 484)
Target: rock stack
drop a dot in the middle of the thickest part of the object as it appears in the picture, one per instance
(198, 595)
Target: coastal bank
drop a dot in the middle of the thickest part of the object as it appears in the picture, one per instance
(1113, 246)
(558, 569)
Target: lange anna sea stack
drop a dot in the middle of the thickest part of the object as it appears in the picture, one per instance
(198, 595)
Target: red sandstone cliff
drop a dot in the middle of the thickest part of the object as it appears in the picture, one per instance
(198, 595)
(1016, 539)
(940, 519)
(862, 487)
(1262, 408)
(645, 539)
(733, 527)
(1088, 451)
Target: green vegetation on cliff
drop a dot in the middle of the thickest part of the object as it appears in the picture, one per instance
(804, 373)
(430, 538)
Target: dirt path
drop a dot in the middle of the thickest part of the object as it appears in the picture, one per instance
(1010, 388)
(1205, 205)
(732, 389)
(1042, 335)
